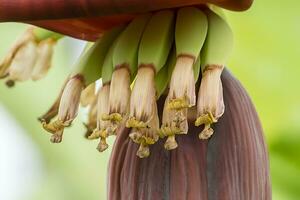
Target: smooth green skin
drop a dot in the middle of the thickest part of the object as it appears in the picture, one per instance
(219, 42)
(126, 50)
(163, 77)
(42, 34)
(157, 40)
(90, 64)
(190, 31)
(108, 67)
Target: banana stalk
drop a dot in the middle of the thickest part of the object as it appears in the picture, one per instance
(30, 56)
(216, 51)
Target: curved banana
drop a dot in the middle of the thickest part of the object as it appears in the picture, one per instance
(125, 66)
(190, 33)
(86, 71)
(104, 128)
(216, 51)
(153, 53)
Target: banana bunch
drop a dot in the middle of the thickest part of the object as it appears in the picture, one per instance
(86, 72)
(30, 57)
(156, 54)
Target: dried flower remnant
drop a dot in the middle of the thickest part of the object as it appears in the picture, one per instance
(125, 66)
(83, 74)
(30, 56)
(68, 108)
(88, 95)
(105, 128)
(217, 48)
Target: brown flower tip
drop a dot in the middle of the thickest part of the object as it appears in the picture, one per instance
(210, 106)
(68, 107)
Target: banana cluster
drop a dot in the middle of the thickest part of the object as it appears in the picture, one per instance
(161, 53)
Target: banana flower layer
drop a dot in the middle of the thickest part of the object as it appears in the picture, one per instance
(232, 165)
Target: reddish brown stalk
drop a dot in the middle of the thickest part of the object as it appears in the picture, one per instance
(233, 165)
(20, 10)
(87, 19)
(86, 28)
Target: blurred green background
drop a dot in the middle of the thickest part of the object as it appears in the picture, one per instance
(266, 60)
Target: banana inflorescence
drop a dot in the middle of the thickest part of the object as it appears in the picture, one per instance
(161, 53)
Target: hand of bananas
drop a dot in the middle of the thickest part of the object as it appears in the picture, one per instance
(156, 54)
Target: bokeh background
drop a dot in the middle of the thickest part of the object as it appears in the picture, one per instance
(266, 60)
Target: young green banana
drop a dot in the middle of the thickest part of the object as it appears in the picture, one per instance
(190, 33)
(87, 71)
(104, 128)
(171, 124)
(30, 56)
(216, 51)
(163, 77)
(153, 53)
(125, 66)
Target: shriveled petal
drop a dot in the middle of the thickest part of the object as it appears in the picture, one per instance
(53, 110)
(143, 95)
(68, 108)
(211, 93)
(182, 84)
(92, 118)
(25, 38)
(44, 57)
(70, 98)
(23, 62)
(88, 95)
(120, 92)
(210, 105)
(173, 123)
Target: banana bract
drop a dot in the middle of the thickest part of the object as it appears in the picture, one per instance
(151, 69)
